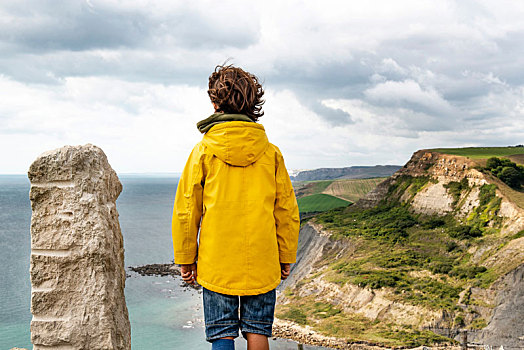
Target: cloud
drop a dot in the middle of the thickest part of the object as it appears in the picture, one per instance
(141, 126)
(78, 25)
(354, 77)
(411, 95)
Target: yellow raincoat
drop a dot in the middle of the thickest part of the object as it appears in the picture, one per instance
(236, 189)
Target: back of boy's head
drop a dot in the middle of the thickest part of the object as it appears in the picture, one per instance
(236, 91)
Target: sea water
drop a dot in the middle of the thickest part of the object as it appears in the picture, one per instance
(164, 313)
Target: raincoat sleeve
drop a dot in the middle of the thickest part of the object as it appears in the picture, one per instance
(286, 214)
(187, 209)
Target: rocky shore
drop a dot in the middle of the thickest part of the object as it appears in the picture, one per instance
(306, 335)
(156, 270)
(161, 270)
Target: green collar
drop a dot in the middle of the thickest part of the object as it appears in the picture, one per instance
(217, 118)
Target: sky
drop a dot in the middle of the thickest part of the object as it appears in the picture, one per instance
(346, 82)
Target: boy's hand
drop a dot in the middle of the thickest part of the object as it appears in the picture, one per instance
(284, 270)
(189, 273)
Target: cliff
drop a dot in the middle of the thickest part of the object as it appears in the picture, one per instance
(434, 249)
(435, 198)
(354, 172)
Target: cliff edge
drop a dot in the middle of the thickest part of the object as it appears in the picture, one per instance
(435, 249)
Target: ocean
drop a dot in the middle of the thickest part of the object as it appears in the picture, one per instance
(163, 313)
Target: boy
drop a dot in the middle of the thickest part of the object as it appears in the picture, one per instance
(235, 188)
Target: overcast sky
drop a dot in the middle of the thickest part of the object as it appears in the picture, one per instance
(347, 82)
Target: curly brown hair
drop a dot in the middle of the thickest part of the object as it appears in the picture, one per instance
(234, 90)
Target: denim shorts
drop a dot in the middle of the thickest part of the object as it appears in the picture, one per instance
(221, 314)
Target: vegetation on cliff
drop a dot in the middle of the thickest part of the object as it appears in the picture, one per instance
(420, 260)
(333, 321)
(411, 258)
(455, 188)
(422, 250)
(424, 259)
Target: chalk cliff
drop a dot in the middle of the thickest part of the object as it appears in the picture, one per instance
(424, 185)
(77, 253)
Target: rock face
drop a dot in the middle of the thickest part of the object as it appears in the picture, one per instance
(506, 326)
(311, 243)
(77, 253)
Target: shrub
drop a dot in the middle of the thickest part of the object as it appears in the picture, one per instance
(511, 176)
(464, 232)
(377, 279)
(401, 258)
(518, 234)
(433, 222)
(443, 268)
(478, 323)
(387, 221)
(509, 172)
(492, 163)
(467, 271)
(486, 194)
(295, 314)
(451, 246)
(459, 321)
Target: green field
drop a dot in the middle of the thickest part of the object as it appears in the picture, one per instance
(481, 152)
(320, 202)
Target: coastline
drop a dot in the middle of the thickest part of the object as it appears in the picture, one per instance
(282, 329)
(305, 335)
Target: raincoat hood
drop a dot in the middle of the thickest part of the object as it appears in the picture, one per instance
(237, 143)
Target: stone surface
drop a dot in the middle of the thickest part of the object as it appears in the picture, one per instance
(433, 199)
(311, 244)
(77, 253)
(506, 326)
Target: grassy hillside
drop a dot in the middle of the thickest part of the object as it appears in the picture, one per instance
(481, 152)
(419, 260)
(320, 202)
(348, 189)
(353, 189)
(307, 188)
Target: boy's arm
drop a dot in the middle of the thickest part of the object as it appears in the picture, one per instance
(286, 214)
(187, 209)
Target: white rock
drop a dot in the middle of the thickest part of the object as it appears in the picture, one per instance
(77, 253)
